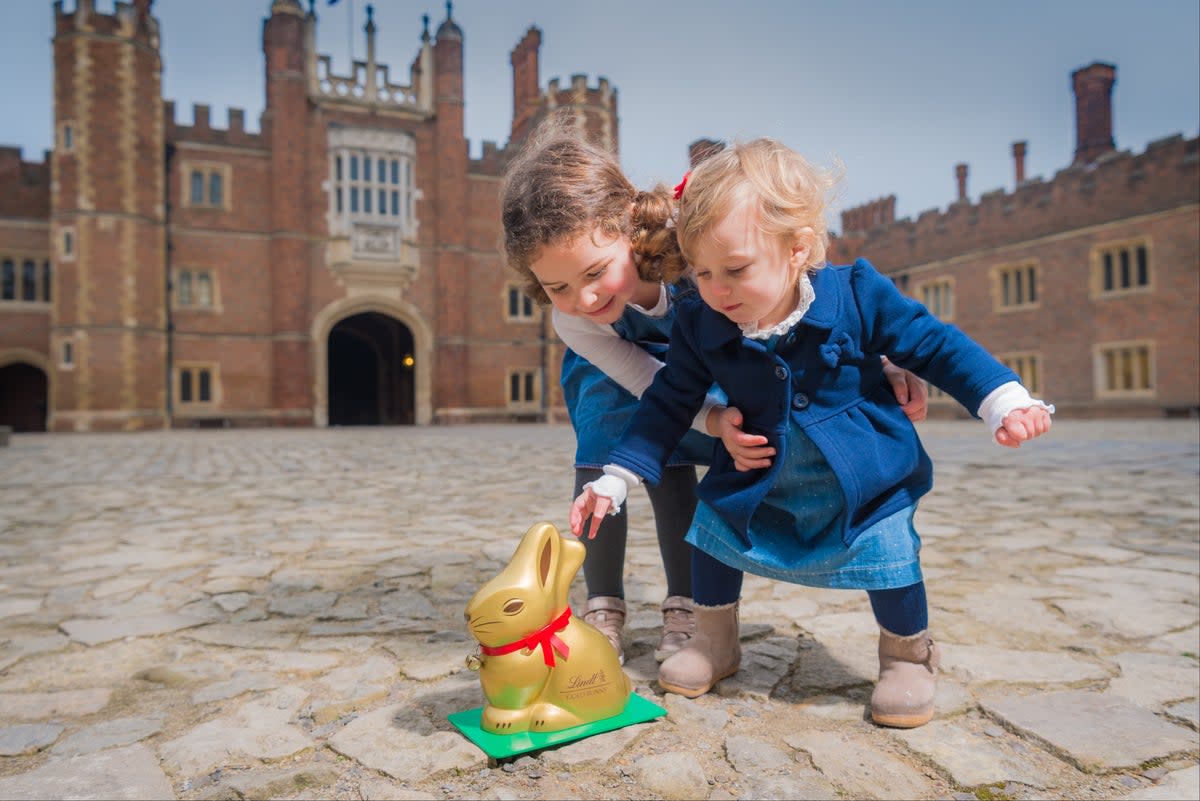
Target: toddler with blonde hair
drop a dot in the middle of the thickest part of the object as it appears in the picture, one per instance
(796, 344)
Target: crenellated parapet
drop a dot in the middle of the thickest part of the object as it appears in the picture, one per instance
(201, 130)
(861, 219)
(1102, 184)
(24, 185)
(602, 96)
(128, 21)
(1117, 185)
(491, 161)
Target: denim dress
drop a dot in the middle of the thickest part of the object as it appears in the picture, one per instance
(795, 533)
(600, 408)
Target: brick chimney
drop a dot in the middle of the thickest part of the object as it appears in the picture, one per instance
(702, 149)
(1018, 151)
(1093, 111)
(526, 89)
(960, 172)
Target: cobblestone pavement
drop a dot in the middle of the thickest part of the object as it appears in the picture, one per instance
(230, 614)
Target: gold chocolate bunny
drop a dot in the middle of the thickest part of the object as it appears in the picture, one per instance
(541, 668)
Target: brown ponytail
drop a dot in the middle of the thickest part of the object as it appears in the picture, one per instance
(653, 237)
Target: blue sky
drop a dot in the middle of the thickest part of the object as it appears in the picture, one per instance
(897, 92)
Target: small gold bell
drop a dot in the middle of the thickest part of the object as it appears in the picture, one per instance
(474, 662)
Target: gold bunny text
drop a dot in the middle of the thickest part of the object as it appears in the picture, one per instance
(578, 682)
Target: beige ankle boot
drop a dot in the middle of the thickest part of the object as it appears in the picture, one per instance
(908, 668)
(678, 625)
(712, 653)
(607, 613)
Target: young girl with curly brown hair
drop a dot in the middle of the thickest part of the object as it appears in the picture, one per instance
(604, 255)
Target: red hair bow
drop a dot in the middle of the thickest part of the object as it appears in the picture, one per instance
(682, 184)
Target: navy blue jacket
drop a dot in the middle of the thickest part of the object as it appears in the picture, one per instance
(826, 375)
(600, 408)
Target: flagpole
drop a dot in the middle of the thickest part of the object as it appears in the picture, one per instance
(350, 33)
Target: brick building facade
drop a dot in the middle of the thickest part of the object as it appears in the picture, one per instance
(1088, 285)
(340, 266)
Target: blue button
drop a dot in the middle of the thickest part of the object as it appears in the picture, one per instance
(780, 372)
(799, 401)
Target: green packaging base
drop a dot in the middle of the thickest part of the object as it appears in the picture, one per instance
(502, 746)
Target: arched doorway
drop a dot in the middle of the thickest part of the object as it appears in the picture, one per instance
(370, 371)
(23, 397)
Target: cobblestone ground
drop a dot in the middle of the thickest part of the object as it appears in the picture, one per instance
(257, 614)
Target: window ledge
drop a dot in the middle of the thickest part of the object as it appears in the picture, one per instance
(1020, 308)
(1117, 294)
(25, 305)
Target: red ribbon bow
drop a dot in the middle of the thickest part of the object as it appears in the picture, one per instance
(546, 637)
(682, 184)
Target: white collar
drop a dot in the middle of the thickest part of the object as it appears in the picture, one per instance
(807, 295)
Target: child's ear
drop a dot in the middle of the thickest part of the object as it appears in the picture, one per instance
(801, 248)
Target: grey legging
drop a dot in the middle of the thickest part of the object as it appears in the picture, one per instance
(674, 503)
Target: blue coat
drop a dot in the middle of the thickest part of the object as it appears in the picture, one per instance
(600, 408)
(826, 375)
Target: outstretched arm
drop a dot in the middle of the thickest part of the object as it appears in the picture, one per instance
(669, 406)
(621, 360)
(902, 329)
(909, 334)
(672, 400)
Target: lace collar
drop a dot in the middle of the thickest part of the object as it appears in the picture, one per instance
(807, 295)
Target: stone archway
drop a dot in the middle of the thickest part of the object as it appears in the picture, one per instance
(24, 390)
(371, 363)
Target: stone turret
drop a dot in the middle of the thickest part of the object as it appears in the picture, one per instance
(286, 134)
(594, 108)
(450, 199)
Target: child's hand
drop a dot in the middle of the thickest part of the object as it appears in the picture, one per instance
(911, 392)
(589, 506)
(749, 451)
(1023, 424)
(601, 497)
